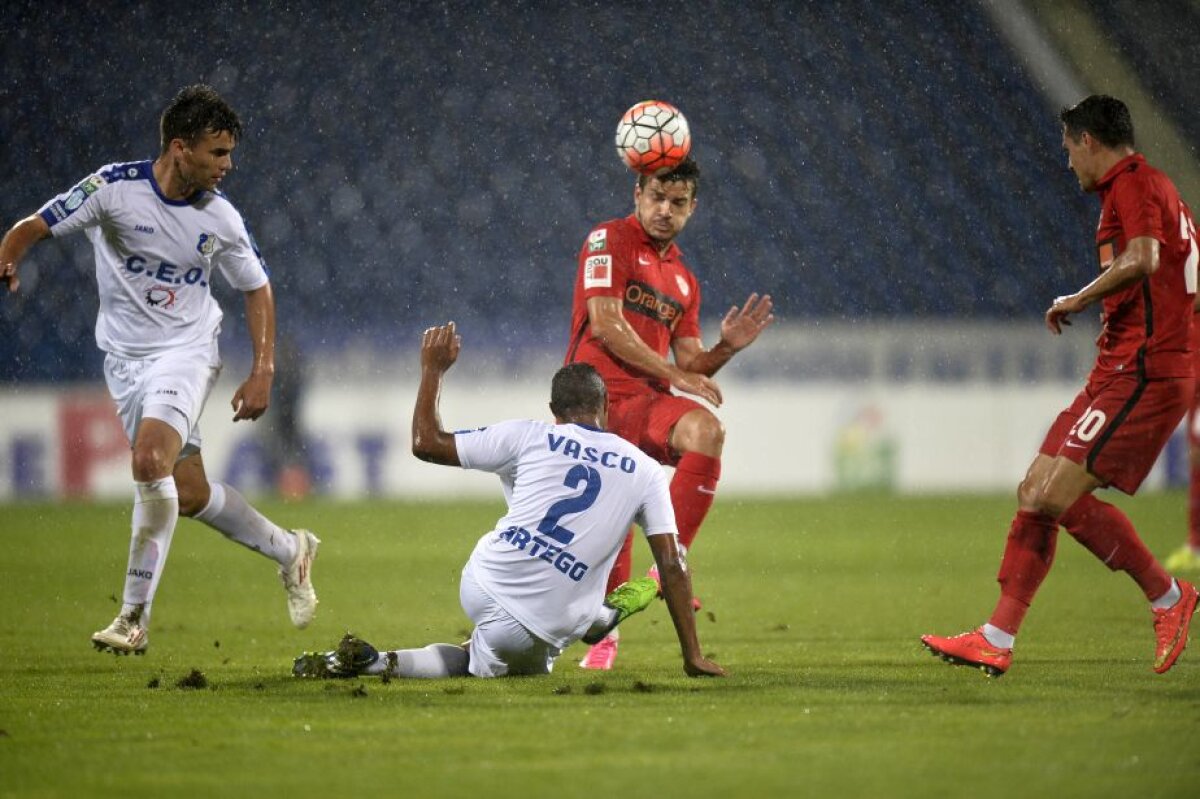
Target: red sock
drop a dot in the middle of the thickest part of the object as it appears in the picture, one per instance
(1194, 507)
(693, 489)
(1109, 535)
(1028, 554)
(623, 566)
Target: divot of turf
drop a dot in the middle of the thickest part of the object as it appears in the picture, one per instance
(594, 688)
(195, 679)
(640, 687)
(154, 683)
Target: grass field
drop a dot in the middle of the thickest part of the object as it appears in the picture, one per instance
(814, 607)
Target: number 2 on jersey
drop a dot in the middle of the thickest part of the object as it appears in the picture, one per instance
(549, 525)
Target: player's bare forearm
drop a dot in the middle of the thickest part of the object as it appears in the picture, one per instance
(253, 397)
(619, 338)
(430, 442)
(677, 592)
(609, 325)
(1138, 261)
(740, 328)
(16, 242)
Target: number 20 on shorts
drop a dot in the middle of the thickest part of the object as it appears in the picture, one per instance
(1091, 423)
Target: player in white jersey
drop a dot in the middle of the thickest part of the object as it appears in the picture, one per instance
(160, 230)
(535, 584)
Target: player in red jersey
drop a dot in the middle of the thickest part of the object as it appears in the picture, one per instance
(1187, 557)
(636, 302)
(1137, 392)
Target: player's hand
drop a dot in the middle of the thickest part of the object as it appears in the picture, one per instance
(439, 347)
(251, 399)
(741, 326)
(702, 667)
(699, 385)
(1058, 312)
(8, 274)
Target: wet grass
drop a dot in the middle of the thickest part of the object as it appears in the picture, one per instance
(814, 606)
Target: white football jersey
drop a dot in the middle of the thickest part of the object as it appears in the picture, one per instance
(572, 493)
(155, 258)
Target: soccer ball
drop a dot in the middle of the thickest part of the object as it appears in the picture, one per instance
(653, 136)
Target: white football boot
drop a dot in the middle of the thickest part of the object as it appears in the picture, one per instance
(297, 579)
(125, 635)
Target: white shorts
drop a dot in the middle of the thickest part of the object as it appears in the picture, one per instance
(172, 388)
(500, 645)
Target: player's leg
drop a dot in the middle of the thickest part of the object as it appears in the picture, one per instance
(223, 508)
(1028, 556)
(699, 438)
(355, 657)
(155, 512)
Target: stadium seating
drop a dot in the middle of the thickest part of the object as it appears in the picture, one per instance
(404, 165)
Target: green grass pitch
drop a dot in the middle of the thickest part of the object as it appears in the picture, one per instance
(814, 606)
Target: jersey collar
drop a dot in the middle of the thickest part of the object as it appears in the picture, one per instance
(1126, 164)
(189, 200)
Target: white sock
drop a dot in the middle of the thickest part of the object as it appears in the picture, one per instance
(997, 637)
(603, 621)
(155, 511)
(1168, 599)
(231, 515)
(431, 662)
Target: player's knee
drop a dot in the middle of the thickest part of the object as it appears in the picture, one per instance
(701, 432)
(150, 462)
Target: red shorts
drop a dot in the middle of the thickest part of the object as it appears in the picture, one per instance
(646, 420)
(1116, 429)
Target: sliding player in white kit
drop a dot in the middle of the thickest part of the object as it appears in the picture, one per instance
(160, 229)
(535, 584)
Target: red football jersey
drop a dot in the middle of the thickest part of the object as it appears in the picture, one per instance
(660, 298)
(1147, 326)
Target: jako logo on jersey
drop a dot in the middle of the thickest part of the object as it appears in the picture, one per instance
(143, 228)
(597, 240)
(573, 449)
(643, 299)
(160, 297)
(597, 272)
(206, 244)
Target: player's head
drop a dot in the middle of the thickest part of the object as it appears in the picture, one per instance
(198, 132)
(578, 394)
(1096, 131)
(664, 203)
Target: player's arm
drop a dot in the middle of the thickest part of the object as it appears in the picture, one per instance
(253, 396)
(1138, 261)
(677, 591)
(739, 329)
(610, 326)
(17, 241)
(439, 351)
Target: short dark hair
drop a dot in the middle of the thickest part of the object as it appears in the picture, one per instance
(576, 389)
(688, 171)
(1106, 118)
(195, 111)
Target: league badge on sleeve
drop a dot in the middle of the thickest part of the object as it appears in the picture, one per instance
(597, 240)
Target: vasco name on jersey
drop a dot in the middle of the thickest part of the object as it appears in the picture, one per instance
(165, 272)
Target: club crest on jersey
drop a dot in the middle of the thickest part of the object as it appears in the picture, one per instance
(597, 272)
(206, 244)
(160, 297)
(597, 240)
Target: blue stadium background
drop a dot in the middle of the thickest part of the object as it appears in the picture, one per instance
(409, 163)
